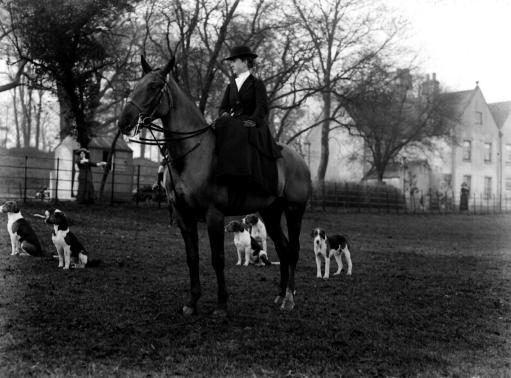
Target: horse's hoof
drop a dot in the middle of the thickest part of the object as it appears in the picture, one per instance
(188, 311)
(289, 302)
(287, 305)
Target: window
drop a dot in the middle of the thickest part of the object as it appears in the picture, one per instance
(467, 179)
(507, 157)
(467, 150)
(487, 152)
(508, 184)
(478, 118)
(487, 187)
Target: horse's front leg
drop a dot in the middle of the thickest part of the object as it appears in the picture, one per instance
(215, 223)
(190, 236)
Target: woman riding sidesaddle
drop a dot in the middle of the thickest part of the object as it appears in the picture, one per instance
(246, 150)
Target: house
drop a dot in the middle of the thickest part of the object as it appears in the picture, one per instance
(474, 154)
(64, 176)
(501, 112)
(477, 155)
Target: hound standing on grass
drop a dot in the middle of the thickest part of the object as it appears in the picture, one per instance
(23, 238)
(327, 246)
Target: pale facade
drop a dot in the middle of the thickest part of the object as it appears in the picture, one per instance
(480, 154)
(474, 155)
(502, 114)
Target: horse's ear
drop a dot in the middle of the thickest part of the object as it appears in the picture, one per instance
(145, 66)
(169, 66)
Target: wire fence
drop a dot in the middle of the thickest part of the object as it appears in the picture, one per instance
(349, 197)
(51, 179)
(56, 179)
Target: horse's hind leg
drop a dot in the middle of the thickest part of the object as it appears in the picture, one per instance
(294, 215)
(271, 218)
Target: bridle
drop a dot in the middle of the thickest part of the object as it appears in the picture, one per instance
(145, 121)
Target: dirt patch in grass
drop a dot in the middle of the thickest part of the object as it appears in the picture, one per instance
(429, 296)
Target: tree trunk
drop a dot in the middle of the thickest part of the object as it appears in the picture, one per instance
(325, 130)
(26, 109)
(66, 113)
(108, 166)
(16, 120)
(38, 116)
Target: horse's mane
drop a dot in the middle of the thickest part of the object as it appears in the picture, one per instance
(184, 102)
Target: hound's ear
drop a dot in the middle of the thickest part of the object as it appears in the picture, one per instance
(169, 66)
(145, 66)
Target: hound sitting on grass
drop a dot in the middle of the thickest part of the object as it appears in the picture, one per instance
(257, 229)
(246, 245)
(70, 251)
(23, 238)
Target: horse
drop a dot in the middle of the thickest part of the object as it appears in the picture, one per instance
(194, 194)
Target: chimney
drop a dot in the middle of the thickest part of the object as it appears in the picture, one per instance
(430, 87)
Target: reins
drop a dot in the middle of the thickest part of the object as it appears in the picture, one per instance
(146, 122)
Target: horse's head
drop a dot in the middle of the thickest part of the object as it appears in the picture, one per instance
(149, 100)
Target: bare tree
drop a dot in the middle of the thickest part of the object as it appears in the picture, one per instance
(196, 32)
(345, 36)
(15, 81)
(200, 32)
(393, 110)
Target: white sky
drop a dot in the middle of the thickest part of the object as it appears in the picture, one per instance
(463, 41)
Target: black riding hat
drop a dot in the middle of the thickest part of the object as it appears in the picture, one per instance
(241, 51)
(82, 149)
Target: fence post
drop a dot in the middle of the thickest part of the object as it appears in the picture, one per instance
(56, 198)
(25, 180)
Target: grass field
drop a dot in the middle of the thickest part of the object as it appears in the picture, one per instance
(429, 296)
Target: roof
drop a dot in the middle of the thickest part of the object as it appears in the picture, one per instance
(460, 99)
(500, 112)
